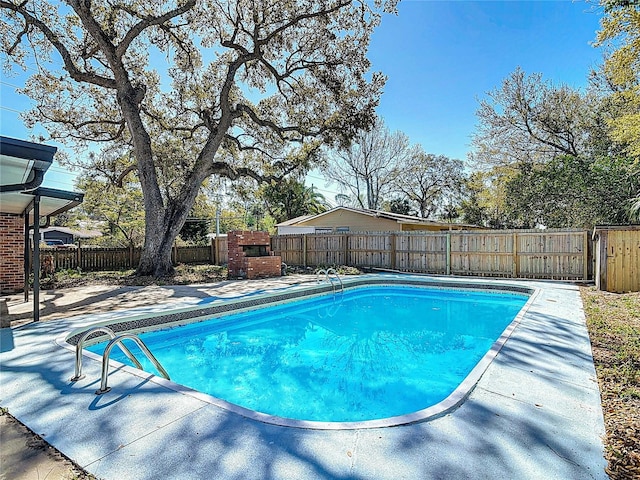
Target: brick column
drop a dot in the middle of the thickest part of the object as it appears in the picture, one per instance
(11, 253)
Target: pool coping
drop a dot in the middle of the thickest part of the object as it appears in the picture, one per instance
(535, 413)
(189, 315)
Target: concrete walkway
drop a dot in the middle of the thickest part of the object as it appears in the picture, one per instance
(534, 414)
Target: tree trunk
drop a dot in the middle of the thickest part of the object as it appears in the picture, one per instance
(162, 226)
(164, 220)
(155, 260)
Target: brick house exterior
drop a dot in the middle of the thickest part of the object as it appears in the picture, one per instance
(11, 253)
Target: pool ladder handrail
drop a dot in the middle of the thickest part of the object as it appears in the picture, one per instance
(327, 275)
(114, 340)
(80, 345)
(118, 341)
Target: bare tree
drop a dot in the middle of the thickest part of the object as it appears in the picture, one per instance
(528, 120)
(368, 168)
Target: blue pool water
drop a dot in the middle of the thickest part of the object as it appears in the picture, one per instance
(370, 353)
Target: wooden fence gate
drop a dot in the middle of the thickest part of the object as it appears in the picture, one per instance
(617, 258)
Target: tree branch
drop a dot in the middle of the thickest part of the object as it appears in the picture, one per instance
(147, 22)
(298, 19)
(69, 64)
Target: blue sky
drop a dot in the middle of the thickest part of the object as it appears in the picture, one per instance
(440, 57)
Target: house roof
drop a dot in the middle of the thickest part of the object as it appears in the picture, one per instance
(397, 217)
(23, 164)
(293, 221)
(70, 231)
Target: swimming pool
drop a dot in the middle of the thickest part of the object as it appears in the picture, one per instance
(384, 354)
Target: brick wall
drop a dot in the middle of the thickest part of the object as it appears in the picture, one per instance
(263, 267)
(241, 266)
(11, 253)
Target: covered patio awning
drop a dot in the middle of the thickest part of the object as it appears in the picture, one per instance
(22, 169)
(52, 201)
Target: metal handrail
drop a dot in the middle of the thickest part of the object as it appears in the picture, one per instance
(331, 310)
(321, 272)
(79, 346)
(107, 351)
(327, 276)
(329, 272)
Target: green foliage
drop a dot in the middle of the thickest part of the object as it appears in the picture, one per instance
(530, 120)
(546, 158)
(621, 29)
(450, 212)
(195, 231)
(343, 200)
(484, 200)
(429, 181)
(573, 192)
(400, 205)
(634, 210)
(119, 208)
(290, 198)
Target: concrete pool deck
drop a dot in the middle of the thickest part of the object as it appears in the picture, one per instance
(535, 412)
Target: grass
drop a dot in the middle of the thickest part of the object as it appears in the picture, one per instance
(613, 321)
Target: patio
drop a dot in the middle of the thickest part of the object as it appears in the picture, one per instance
(535, 413)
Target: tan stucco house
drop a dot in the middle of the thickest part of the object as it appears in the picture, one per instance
(345, 219)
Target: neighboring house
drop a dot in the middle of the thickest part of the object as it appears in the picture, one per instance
(67, 235)
(345, 219)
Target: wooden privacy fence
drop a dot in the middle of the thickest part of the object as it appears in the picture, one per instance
(99, 258)
(553, 253)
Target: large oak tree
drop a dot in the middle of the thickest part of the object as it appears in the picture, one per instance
(547, 158)
(195, 88)
(529, 120)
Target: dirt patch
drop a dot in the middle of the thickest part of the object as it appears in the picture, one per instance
(614, 327)
(184, 275)
(26, 456)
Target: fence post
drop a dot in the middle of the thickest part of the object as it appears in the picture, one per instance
(448, 253)
(585, 251)
(130, 255)
(393, 251)
(515, 255)
(345, 239)
(212, 251)
(304, 250)
(79, 256)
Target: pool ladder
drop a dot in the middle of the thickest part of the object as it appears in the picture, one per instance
(329, 274)
(114, 340)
